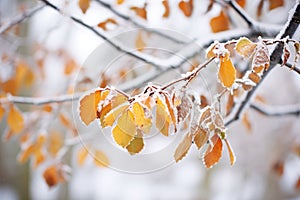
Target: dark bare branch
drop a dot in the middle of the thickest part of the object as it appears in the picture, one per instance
(277, 110)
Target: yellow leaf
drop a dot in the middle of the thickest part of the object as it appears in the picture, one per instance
(55, 143)
(53, 175)
(119, 2)
(183, 147)
(25, 154)
(213, 152)
(10, 86)
(125, 129)
(186, 7)
(111, 117)
(231, 152)
(139, 42)
(100, 159)
(142, 12)
(136, 145)
(70, 66)
(171, 111)
(227, 72)
(88, 107)
(210, 51)
(167, 8)
(15, 120)
(82, 154)
(140, 119)
(162, 117)
(84, 5)
(245, 47)
(2, 112)
(275, 4)
(39, 158)
(219, 23)
(200, 137)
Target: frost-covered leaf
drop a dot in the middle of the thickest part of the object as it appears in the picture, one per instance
(142, 122)
(15, 119)
(229, 104)
(210, 50)
(167, 8)
(200, 137)
(186, 7)
(219, 23)
(213, 152)
(125, 129)
(227, 72)
(100, 159)
(84, 5)
(53, 175)
(205, 116)
(254, 77)
(162, 117)
(261, 57)
(171, 110)
(184, 108)
(232, 157)
(245, 47)
(285, 56)
(112, 116)
(297, 56)
(183, 147)
(141, 12)
(88, 107)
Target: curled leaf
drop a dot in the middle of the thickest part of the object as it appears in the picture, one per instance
(232, 157)
(245, 47)
(167, 8)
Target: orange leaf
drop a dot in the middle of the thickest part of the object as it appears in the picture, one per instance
(246, 122)
(231, 152)
(254, 77)
(142, 122)
(39, 158)
(200, 137)
(213, 152)
(139, 42)
(245, 47)
(227, 72)
(10, 86)
(184, 108)
(82, 154)
(15, 119)
(278, 168)
(84, 5)
(167, 8)
(107, 21)
(183, 147)
(242, 3)
(297, 185)
(229, 104)
(275, 4)
(203, 101)
(2, 112)
(260, 8)
(142, 12)
(186, 7)
(119, 2)
(88, 107)
(100, 159)
(70, 66)
(210, 50)
(219, 23)
(53, 175)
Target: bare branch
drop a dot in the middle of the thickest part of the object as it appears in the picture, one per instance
(138, 24)
(290, 66)
(267, 29)
(277, 110)
(18, 19)
(290, 29)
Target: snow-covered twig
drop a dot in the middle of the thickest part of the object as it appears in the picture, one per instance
(18, 19)
(267, 29)
(289, 30)
(277, 110)
(138, 24)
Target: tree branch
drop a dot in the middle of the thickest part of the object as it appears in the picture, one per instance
(18, 19)
(277, 110)
(290, 29)
(267, 29)
(134, 22)
(290, 66)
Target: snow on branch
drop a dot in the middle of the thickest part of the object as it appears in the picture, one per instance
(138, 24)
(289, 30)
(18, 19)
(277, 110)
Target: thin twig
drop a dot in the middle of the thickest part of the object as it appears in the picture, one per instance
(277, 110)
(290, 66)
(290, 29)
(267, 29)
(134, 22)
(18, 19)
